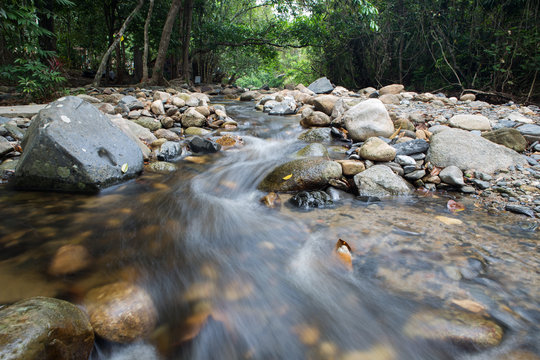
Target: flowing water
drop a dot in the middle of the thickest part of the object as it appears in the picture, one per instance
(233, 279)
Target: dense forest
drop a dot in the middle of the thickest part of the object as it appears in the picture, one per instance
(436, 45)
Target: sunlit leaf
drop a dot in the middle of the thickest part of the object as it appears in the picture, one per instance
(124, 168)
(344, 253)
(287, 177)
(448, 221)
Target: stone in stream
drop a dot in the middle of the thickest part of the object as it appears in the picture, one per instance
(312, 150)
(470, 122)
(121, 312)
(249, 96)
(316, 135)
(311, 199)
(135, 129)
(380, 180)
(44, 328)
(72, 146)
(511, 138)
(317, 118)
(161, 167)
(170, 151)
(321, 86)
(367, 119)
(376, 149)
(468, 151)
(325, 103)
(193, 118)
(166, 134)
(69, 259)
(463, 328)
(411, 147)
(285, 107)
(305, 174)
(203, 146)
(148, 122)
(452, 175)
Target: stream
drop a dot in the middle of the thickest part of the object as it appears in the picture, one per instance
(263, 283)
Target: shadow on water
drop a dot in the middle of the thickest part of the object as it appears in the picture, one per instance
(233, 279)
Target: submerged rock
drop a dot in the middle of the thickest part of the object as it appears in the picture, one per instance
(459, 327)
(312, 150)
(316, 135)
(305, 174)
(72, 146)
(121, 312)
(313, 199)
(44, 328)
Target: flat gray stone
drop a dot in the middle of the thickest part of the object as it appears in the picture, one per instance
(21, 110)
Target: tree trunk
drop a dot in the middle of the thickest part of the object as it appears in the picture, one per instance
(157, 72)
(145, 52)
(46, 21)
(117, 39)
(137, 64)
(188, 16)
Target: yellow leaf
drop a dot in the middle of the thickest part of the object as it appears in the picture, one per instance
(124, 168)
(448, 221)
(122, 38)
(395, 133)
(287, 177)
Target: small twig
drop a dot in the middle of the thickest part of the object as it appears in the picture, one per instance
(532, 86)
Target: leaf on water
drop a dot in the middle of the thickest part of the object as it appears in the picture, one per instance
(395, 133)
(124, 168)
(454, 206)
(470, 305)
(344, 253)
(271, 200)
(287, 177)
(448, 221)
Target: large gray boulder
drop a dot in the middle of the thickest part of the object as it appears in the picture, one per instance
(380, 180)
(367, 119)
(44, 328)
(468, 151)
(301, 174)
(72, 146)
(321, 86)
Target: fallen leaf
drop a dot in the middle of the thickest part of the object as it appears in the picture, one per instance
(470, 305)
(271, 200)
(124, 168)
(454, 206)
(435, 171)
(344, 253)
(287, 177)
(448, 221)
(395, 133)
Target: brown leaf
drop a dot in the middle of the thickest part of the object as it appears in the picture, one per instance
(454, 206)
(470, 305)
(435, 171)
(395, 133)
(344, 253)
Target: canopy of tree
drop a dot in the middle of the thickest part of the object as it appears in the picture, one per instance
(432, 45)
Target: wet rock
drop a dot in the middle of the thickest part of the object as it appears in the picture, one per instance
(391, 89)
(351, 167)
(518, 209)
(5, 146)
(166, 134)
(411, 147)
(376, 149)
(161, 167)
(468, 329)
(249, 96)
(148, 122)
(470, 122)
(193, 118)
(321, 86)
(203, 146)
(285, 107)
(69, 259)
(452, 175)
(306, 174)
(169, 151)
(121, 312)
(312, 150)
(60, 155)
(325, 103)
(380, 180)
(368, 119)
(511, 138)
(311, 199)
(44, 328)
(7, 169)
(317, 118)
(468, 151)
(316, 135)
